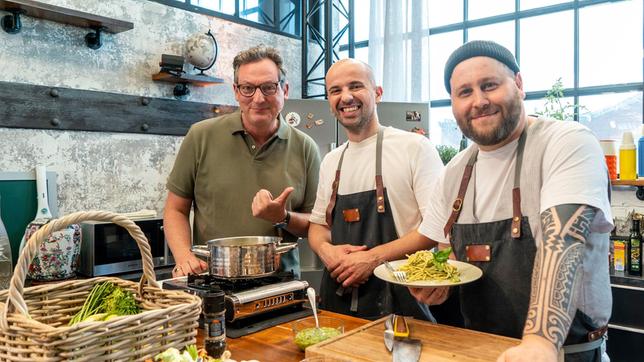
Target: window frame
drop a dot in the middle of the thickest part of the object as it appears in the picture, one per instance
(236, 17)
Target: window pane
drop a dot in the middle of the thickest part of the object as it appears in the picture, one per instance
(361, 20)
(484, 8)
(362, 54)
(441, 46)
(502, 33)
(288, 16)
(259, 11)
(222, 6)
(610, 43)
(531, 4)
(443, 129)
(532, 107)
(543, 62)
(610, 115)
(443, 12)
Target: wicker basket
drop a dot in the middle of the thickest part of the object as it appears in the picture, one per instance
(33, 321)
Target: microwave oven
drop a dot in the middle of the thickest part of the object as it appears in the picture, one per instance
(108, 248)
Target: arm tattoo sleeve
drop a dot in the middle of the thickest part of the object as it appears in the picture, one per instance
(556, 273)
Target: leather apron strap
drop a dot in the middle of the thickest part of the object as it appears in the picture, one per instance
(334, 190)
(380, 194)
(516, 191)
(380, 205)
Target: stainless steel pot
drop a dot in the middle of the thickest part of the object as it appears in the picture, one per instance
(243, 256)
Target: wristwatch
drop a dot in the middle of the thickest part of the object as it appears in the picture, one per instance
(284, 223)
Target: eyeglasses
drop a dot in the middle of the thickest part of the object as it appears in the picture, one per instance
(268, 89)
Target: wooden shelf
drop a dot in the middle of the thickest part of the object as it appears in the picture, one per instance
(66, 16)
(639, 182)
(195, 79)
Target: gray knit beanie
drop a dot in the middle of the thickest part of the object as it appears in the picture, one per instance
(477, 48)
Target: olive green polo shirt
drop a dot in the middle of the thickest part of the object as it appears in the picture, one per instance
(220, 168)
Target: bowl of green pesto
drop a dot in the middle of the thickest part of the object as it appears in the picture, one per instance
(305, 333)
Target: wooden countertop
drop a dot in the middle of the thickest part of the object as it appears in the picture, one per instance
(275, 343)
(363, 341)
(440, 343)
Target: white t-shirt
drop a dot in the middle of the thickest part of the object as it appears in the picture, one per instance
(410, 164)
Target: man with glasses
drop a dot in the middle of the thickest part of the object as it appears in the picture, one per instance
(245, 173)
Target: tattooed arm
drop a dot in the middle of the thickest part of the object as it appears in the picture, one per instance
(555, 283)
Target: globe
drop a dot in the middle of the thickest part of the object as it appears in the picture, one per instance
(201, 50)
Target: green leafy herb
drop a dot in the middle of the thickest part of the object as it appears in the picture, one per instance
(104, 301)
(441, 256)
(192, 350)
(121, 302)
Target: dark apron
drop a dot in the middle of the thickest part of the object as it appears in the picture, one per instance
(365, 218)
(505, 250)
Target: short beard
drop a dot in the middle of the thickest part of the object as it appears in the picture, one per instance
(356, 127)
(500, 133)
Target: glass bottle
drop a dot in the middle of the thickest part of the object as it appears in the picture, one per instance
(214, 312)
(611, 249)
(635, 249)
(6, 265)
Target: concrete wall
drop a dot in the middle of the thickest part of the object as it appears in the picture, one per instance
(117, 172)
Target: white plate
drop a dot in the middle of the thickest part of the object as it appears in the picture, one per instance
(468, 274)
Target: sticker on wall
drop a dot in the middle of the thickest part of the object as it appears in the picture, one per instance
(309, 116)
(412, 116)
(293, 119)
(319, 122)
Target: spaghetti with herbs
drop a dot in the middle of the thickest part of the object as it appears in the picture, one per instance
(428, 265)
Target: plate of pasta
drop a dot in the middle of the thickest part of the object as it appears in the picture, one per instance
(426, 268)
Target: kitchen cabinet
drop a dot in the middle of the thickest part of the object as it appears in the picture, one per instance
(626, 326)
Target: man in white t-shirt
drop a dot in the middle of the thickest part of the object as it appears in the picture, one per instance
(527, 203)
(371, 196)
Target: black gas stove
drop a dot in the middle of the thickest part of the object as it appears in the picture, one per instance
(252, 304)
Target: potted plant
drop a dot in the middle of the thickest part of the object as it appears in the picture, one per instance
(446, 153)
(555, 108)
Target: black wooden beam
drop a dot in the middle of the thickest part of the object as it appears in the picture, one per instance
(41, 107)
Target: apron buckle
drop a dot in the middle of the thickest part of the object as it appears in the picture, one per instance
(458, 203)
(597, 333)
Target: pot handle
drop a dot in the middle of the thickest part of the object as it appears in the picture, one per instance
(282, 248)
(201, 251)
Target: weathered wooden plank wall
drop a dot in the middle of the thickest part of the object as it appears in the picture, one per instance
(40, 107)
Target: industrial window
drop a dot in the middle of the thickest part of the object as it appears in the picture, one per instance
(277, 16)
(593, 46)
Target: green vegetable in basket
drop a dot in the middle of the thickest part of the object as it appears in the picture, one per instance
(105, 300)
(190, 354)
(121, 302)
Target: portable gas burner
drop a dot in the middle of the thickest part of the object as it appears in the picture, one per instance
(251, 304)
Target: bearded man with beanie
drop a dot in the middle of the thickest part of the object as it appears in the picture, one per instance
(528, 203)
